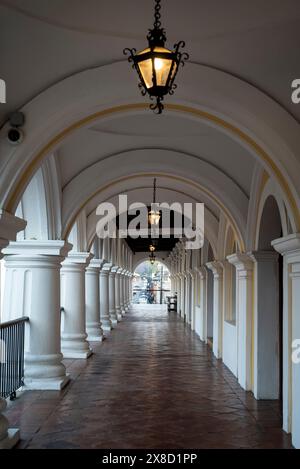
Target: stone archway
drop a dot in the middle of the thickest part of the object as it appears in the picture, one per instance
(268, 306)
(151, 284)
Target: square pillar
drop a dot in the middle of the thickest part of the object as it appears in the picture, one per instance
(289, 248)
(201, 322)
(266, 378)
(217, 269)
(244, 270)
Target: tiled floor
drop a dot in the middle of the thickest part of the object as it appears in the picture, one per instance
(151, 384)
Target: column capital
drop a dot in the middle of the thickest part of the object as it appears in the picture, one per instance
(288, 245)
(95, 264)
(114, 269)
(241, 261)
(35, 248)
(216, 267)
(78, 258)
(105, 268)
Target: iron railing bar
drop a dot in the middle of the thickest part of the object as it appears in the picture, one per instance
(14, 321)
(12, 335)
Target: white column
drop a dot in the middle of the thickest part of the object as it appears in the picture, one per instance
(112, 297)
(217, 269)
(104, 295)
(266, 325)
(33, 290)
(118, 294)
(178, 293)
(122, 299)
(92, 301)
(126, 291)
(192, 296)
(182, 295)
(244, 270)
(9, 227)
(130, 288)
(74, 343)
(187, 310)
(202, 327)
(289, 247)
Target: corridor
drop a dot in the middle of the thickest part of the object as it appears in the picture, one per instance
(151, 384)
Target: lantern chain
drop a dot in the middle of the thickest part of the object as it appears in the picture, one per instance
(154, 191)
(157, 15)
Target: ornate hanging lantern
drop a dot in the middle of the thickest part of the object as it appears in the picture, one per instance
(154, 214)
(157, 66)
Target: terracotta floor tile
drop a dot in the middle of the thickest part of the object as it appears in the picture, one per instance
(151, 384)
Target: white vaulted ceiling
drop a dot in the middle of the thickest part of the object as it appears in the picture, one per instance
(44, 43)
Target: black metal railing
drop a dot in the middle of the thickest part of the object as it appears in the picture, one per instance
(12, 336)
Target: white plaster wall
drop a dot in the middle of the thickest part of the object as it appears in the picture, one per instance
(199, 322)
(230, 346)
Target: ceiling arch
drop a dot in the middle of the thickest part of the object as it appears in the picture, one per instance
(165, 194)
(241, 123)
(214, 188)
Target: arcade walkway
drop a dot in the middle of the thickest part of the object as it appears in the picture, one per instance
(152, 384)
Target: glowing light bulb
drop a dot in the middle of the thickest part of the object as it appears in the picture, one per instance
(158, 64)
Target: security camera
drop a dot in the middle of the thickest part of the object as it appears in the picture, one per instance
(15, 134)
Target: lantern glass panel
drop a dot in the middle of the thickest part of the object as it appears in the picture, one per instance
(162, 67)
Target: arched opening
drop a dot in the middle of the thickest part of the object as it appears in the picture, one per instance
(151, 283)
(268, 311)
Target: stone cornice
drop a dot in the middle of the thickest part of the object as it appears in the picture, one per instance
(78, 258)
(288, 245)
(241, 261)
(35, 248)
(216, 267)
(95, 264)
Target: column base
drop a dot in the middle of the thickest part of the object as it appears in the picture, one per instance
(80, 355)
(75, 346)
(106, 329)
(95, 338)
(119, 316)
(114, 323)
(113, 319)
(46, 384)
(94, 332)
(45, 372)
(13, 437)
